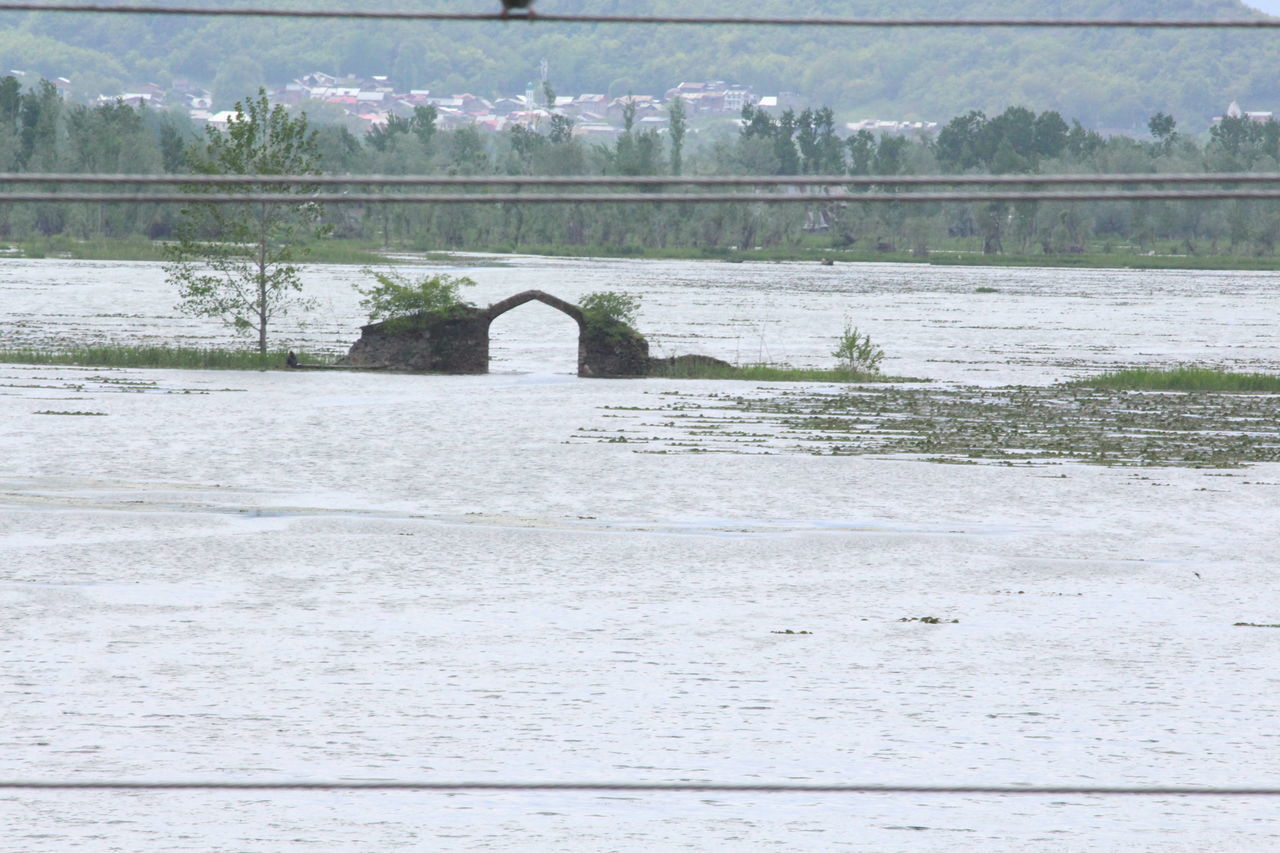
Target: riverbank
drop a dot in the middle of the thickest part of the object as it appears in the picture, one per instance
(1094, 260)
(365, 252)
(142, 249)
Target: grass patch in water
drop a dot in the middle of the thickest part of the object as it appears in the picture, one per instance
(767, 373)
(180, 358)
(1181, 379)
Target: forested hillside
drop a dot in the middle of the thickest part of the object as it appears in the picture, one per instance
(1106, 78)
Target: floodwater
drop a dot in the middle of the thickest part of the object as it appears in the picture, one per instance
(364, 577)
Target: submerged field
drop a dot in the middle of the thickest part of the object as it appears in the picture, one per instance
(1014, 425)
(527, 576)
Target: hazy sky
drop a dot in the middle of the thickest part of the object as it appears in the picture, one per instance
(1271, 7)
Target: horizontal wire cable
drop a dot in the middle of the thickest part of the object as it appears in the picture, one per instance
(639, 180)
(642, 787)
(729, 20)
(634, 198)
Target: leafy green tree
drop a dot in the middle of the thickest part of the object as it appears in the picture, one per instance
(235, 261)
(862, 152)
(610, 307)
(678, 125)
(382, 136)
(172, 147)
(468, 153)
(10, 99)
(784, 144)
(525, 144)
(757, 123)
(1050, 134)
(560, 130)
(1161, 126)
(856, 352)
(1083, 144)
(830, 158)
(107, 138)
(959, 145)
(41, 111)
(628, 114)
(423, 124)
(340, 150)
(807, 140)
(396, 296)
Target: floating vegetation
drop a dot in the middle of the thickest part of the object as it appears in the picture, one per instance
(789, 631)
(1006, 426)
(1183, 379)
(930, 620)
(91, 414)
(1253, 625)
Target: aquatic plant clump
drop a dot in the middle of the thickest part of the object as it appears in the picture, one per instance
(1016, 425)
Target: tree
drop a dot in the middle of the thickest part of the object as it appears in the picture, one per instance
(1163, 128)
(959, 142)
(677, 126)
(830, 148)
(628, 114)
(856, 352)
(560, 130)
(423, 124)
(234, 261)
(1051, 134)
(784, 144)
(396, 296)
(610, 308)
(862, 151)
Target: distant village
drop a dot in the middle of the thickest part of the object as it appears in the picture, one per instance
(368, 103)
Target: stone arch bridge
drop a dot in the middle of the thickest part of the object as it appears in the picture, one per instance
(458, 342)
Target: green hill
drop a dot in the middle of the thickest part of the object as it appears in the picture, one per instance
(1106, 78)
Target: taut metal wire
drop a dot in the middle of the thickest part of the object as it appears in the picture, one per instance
(713, 20)
(637, 198)
(109, 179)
(638, 787)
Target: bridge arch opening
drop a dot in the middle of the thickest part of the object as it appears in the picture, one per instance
(536, 338)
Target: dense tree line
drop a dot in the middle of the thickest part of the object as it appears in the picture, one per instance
(41, 133)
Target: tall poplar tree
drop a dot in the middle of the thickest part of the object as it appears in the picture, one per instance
(235, 261)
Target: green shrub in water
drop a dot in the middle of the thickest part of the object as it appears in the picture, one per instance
(856, 352)
(610, 308)
(396, 296)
